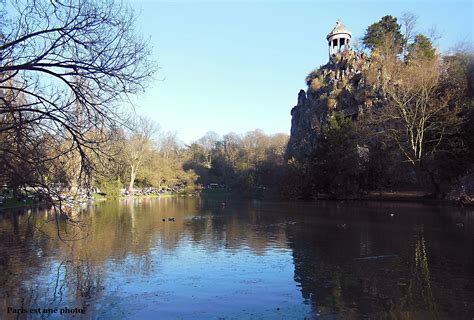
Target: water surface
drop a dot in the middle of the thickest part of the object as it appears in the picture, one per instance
(240, 260)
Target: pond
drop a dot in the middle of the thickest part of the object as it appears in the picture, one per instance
(195, 258)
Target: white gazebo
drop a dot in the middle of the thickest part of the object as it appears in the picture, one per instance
(339, 38)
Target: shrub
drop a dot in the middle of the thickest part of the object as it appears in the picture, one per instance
(332, 103)
(111, 187)
(316, 84)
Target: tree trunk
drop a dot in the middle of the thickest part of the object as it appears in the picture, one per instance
(74, 187)
(133, 174)
(434, 184)
(435, 187)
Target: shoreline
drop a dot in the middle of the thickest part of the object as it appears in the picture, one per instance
(382, 196)
(31, 204)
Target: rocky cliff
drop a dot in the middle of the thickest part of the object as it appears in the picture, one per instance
(339, 86)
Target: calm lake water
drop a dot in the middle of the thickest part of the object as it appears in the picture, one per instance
(241, 260)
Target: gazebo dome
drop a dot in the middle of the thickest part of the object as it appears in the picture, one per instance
(341, 29)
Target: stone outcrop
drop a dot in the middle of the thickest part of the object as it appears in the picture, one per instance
(338, 86)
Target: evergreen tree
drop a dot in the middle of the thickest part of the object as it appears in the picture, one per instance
(386, 30)
(421, 48)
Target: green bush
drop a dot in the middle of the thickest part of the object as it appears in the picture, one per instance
(110, 187)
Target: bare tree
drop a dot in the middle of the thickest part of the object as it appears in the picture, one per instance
(409, 21)
(208, 142)
(139, 146)
(66, 69)
(423, 108)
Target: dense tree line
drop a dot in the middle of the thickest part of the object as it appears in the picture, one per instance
(144, 158)
(251, 164)
(147, 161)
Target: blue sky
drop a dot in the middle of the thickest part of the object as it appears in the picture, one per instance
(238, 65)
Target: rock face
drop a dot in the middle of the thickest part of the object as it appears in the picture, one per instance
(338, 86)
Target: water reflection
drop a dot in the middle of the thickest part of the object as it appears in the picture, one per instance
(197, 258)
(410, 276)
